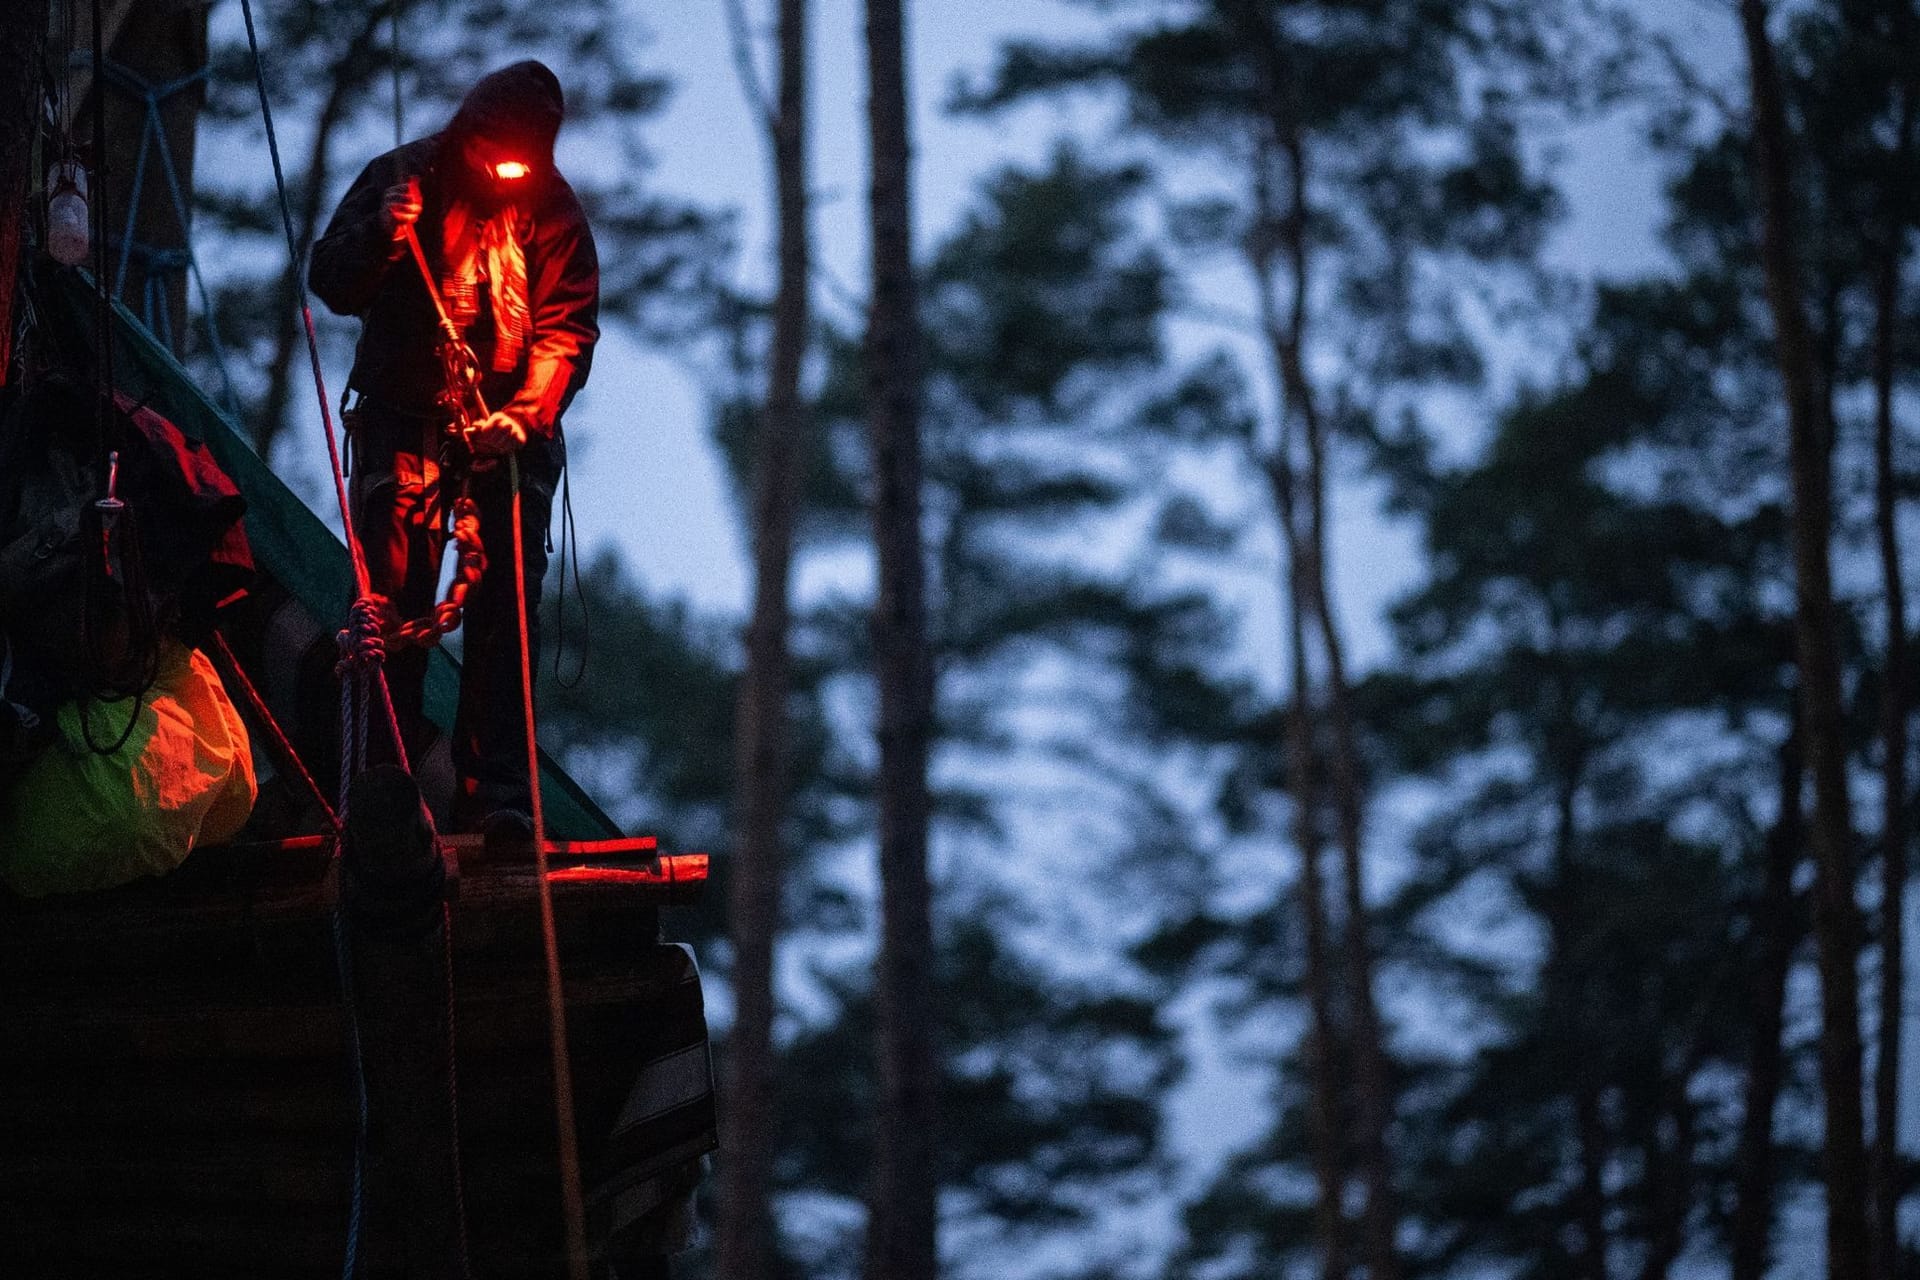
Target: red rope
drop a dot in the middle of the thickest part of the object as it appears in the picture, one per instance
(230, 669)
(572, 1199)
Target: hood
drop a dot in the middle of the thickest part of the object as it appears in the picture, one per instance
(519, 104)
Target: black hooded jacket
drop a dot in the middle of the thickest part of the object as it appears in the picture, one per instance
(358, 268)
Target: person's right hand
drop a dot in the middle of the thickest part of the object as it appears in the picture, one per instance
(402, 207)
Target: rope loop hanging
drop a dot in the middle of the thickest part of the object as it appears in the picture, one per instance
(153, 259)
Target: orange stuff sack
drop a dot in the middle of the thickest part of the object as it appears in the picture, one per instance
(75, 820)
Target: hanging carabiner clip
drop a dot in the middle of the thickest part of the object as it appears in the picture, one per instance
(110, 509)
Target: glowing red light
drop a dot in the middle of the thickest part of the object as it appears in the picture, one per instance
(510, 170)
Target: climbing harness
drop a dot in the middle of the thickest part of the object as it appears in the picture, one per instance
(461, 400)
(459, 397)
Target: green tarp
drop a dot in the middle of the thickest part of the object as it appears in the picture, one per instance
(290, 543)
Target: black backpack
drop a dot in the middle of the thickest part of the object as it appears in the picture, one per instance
(86, 587)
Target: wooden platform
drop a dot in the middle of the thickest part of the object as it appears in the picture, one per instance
(175, 1093)
(634, 861)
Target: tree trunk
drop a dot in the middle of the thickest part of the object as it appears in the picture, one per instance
(23, 34)
(1372, 1083)
(1835, 914)
(1671, 1171)
(1894, 701)
(1777, 935)
(901, 1212)
(1575, 1025)
(1372, 1072)
(744, 1248)
(349, 74)
(1324, 1135)
(1324, 1128)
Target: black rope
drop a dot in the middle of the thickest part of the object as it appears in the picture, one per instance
(109, 677)
(570, 538)
(86, 724)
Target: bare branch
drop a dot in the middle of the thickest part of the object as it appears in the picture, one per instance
(752, 87)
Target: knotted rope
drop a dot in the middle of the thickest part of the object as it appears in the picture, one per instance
(363, 653)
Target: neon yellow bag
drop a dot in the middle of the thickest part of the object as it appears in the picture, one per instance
(76, 820)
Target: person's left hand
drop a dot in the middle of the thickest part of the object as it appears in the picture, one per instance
(496, 435)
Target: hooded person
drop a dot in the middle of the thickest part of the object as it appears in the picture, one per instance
(513, 259)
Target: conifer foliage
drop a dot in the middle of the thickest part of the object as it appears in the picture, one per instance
(1546, 925)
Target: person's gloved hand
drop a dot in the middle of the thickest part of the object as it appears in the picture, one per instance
(496, 435)
(402, 207)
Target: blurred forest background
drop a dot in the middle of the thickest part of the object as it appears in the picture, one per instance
(1546, 925)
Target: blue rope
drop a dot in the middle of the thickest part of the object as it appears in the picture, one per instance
(151, 126)
(133, 212)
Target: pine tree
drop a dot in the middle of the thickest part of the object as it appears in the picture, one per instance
(901, 1213)
(1585, 665)
(1368, 163)
(1051, 427)
(745, 1246)
(1836, 911)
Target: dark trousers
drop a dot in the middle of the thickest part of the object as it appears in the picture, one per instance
(400, 494)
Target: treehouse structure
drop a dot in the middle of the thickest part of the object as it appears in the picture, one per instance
(327, 1039)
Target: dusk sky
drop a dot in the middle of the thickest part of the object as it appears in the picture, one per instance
(649, 480)
(1417, 823)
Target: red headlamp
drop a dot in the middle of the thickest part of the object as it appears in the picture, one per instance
(509, 170)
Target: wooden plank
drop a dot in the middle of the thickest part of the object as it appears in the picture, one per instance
(254, 886)
(220, 919)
